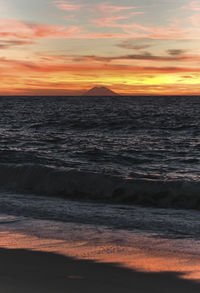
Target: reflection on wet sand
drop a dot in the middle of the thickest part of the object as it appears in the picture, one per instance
(43, 272)
(146, 259)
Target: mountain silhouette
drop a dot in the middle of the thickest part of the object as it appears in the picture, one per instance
(100, 91)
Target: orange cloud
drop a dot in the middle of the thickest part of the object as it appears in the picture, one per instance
(52, 67)
(175, 89)
(65, 74)
(74, 88)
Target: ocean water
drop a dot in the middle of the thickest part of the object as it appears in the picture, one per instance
(143, 150)
(106, 178)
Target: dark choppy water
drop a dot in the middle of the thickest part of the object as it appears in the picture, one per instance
(148, 140)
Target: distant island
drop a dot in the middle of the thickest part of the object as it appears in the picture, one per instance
(100, 91)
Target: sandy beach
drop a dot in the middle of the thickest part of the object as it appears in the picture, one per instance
(30, 271)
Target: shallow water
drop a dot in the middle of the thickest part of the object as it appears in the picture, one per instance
(96, 237)
(159, 223)
(146, 239)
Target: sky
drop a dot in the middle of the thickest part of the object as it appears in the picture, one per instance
(56, 47)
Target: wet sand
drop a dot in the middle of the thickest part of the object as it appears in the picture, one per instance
(32, 271)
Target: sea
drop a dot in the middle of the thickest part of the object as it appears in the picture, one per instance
(113, 179)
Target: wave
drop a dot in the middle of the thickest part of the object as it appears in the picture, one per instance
(43, 180)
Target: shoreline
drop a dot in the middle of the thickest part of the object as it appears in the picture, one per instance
(34, 271)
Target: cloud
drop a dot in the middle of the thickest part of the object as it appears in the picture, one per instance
(74, 68)
(20, 30)
(131, 45)
(51, 90)
(194, 5)
(124, 89)
(108, 8)
(174, 55)
(187, 76)
(68, 6)
(112, 14)
(6, 44)
(111, 20)
(58, 73)
(175, 52)
(135, 30)
(16, 29)
(195, 19)
(158, 89)
(105, 8)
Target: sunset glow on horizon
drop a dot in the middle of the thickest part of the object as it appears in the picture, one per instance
(57, 47)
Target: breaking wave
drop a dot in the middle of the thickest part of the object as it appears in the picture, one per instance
(43, 180)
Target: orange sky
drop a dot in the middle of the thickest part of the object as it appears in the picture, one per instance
(66, 47)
